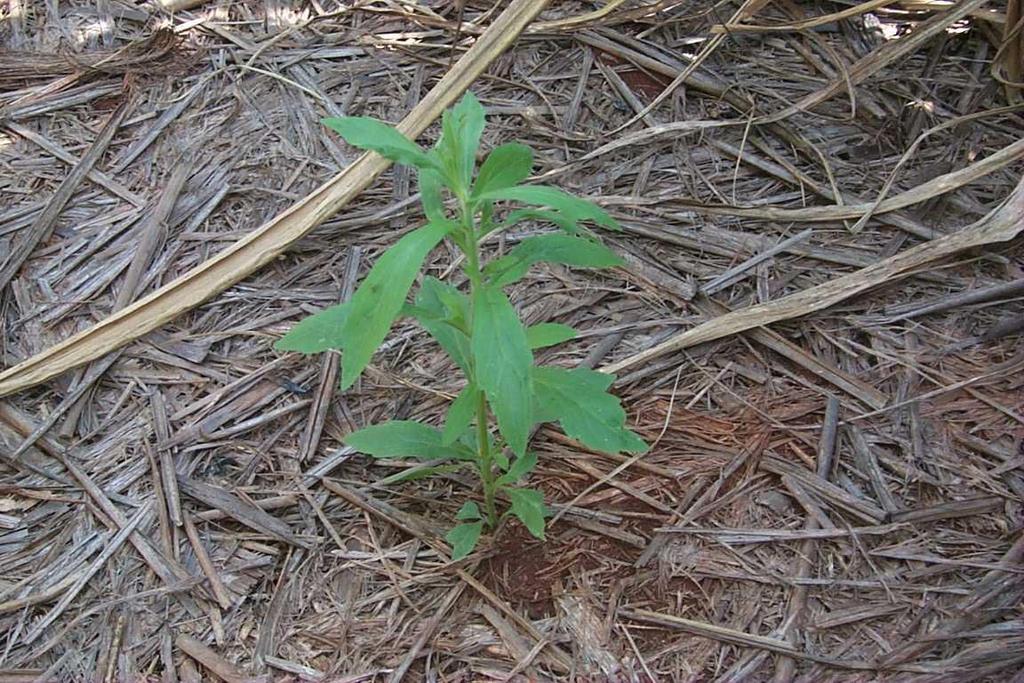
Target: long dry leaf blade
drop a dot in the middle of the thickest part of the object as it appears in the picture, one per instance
(938, 185)
(274, 237)
(1001, 225)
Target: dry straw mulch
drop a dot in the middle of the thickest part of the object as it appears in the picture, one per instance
(818, 328)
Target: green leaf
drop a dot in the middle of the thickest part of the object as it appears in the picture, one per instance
(578, 401)
(418, 472)
(486, 224)
(460, 414)
(572, 208)
(463, 539)
(455, 303)
(548, 334)
(430, 195)
(544, 215)
(469, 510)
(377, 136)
(500, 458)
(504, 167)
(470, 119)
(443, 310)
(556, 248)
(528, 506)
(319, 332)
(502, 362)
(405, 439)
(461, 127)
(379, 299)
(520, 468)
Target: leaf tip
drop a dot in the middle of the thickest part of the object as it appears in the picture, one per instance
(348, 376)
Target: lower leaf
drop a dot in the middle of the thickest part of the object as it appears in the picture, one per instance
(578, 401)
(463, 539)
(548, 334)
(319, 332)
(405, 439)
(460, 414)
(418, 472)
(501, 364)
(528, 506)
(469, 510)
(519, 469)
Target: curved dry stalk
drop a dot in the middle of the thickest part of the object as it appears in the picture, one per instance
(273, 238)
(999, 226)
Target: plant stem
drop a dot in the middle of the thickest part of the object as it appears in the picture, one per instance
(486, 466)
(472, 251)
(484, 461)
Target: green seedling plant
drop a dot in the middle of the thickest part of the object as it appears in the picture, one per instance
(488, 424)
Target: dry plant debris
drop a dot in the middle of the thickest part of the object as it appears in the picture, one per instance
(818, 324)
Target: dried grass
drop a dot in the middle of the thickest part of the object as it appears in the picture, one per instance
(835, 497)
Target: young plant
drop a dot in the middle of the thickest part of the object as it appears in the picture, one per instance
(489, 422)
